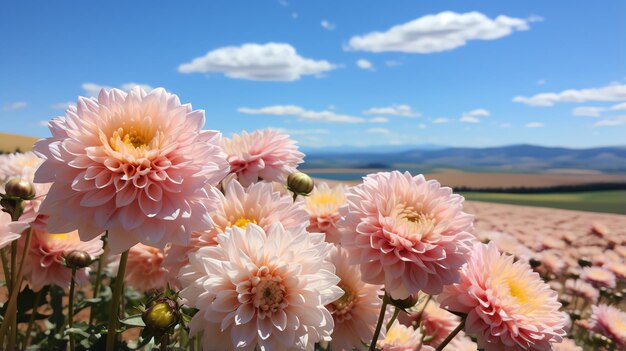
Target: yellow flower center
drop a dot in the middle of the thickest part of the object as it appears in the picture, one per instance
(516, 289)
(323, 199)
(342, 307)
(243, 222)
(130, 137)
(269, 294)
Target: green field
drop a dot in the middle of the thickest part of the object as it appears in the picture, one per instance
(596, 201)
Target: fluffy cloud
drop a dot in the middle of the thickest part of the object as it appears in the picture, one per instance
(473, 115)
(378, 120)
(301, 114)
(440, 120)
(62, 105)
(271, 61)
(13, 106)
(364, 64)
(93, 89)
(379, 131)
(393, 110)
(534, 125)
(327, 25)
(439, 32)
(596, 111)
(619, 120)
(317, 131)
(611, 92)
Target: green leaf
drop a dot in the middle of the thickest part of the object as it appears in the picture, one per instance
(133, 321)
(77, 331)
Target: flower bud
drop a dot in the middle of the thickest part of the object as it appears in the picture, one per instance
(77, 259)
(534, 263)
(19, 188)
(406, 303)
(162, 315)
(300, 183)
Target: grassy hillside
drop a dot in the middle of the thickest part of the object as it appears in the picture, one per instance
(11, 142)
(595, 201)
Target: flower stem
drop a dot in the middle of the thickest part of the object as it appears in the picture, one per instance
(31, 321)
(165, 341)
(393, 318)
(421, 313)
(452, 335)
(5, 268)
(96, 290)
(295, 195)
(70, 308)
(379, 325)
(13, 263)
(115, 303)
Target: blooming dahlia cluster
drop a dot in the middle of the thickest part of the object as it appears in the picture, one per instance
(263, 154)
(406, 232)
(237, 207)
(355, 312)
(508, 306)
(323, 206)
(144, 268)
(134, 164)
(45, 256)
(266, 288)
(610, 322)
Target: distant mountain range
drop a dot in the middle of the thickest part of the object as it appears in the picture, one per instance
(514, 158)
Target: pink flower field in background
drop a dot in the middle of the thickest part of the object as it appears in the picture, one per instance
(135, 165)
(407, 233)
(508, 306)
(323, 206)
(265, 288)
(263, 154)
(611, 322)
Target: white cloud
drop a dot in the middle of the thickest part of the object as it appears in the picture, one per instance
(327, 25)
(619, 120)
(588, 111)
(393, 110)
(13, 106)
(271, 61)
(611, 92)
(301, 114)
(378, 120)
(379, 131)
(421, 126)
(534, 125)
(473, 115)
(317, 131)
(618, 107)
(439, 32)
(440, 120)
(62, 105)
(43, 123)
(364, 64)
(469, 119)
(93, 89)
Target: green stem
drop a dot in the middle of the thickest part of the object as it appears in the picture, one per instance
(115, 303)
(393, 318)
(165, 341)
(421, 312)
(96, 291)
(295, 195)
(70, 308)
(379, 325)
(13, 262)
(31, 321)
(449, 338)
(5, 268)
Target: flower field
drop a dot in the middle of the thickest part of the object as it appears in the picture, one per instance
(131, 227)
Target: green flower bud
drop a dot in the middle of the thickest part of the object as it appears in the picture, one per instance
(300, 183)
(19, 188)
(406, 303)
(162, 315)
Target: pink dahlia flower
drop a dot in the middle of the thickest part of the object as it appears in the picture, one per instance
(407, 233)
(610, 322)
(508, 306)
(598, 277)
(238, 206)
(265, 288)
(436, 323)
(323, 206)
(356, 312)
(263, 154)
(18, 164)
(144, 269)
(134, 164)
(583, 289)
(10, 230)
(402, 338)
(44, 260)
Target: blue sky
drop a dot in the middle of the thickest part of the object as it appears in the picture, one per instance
(471, 73)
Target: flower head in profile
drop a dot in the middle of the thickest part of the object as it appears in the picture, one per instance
(134, 164)
(237, 207)
(583, 289)
(266, 288)
(407, 233)
(144, 268)
(356, 312)
(610, 322)
(263, 154)
(402, 338)
(598, 277)
(45, 256)
(508, 306)
(323, 206)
